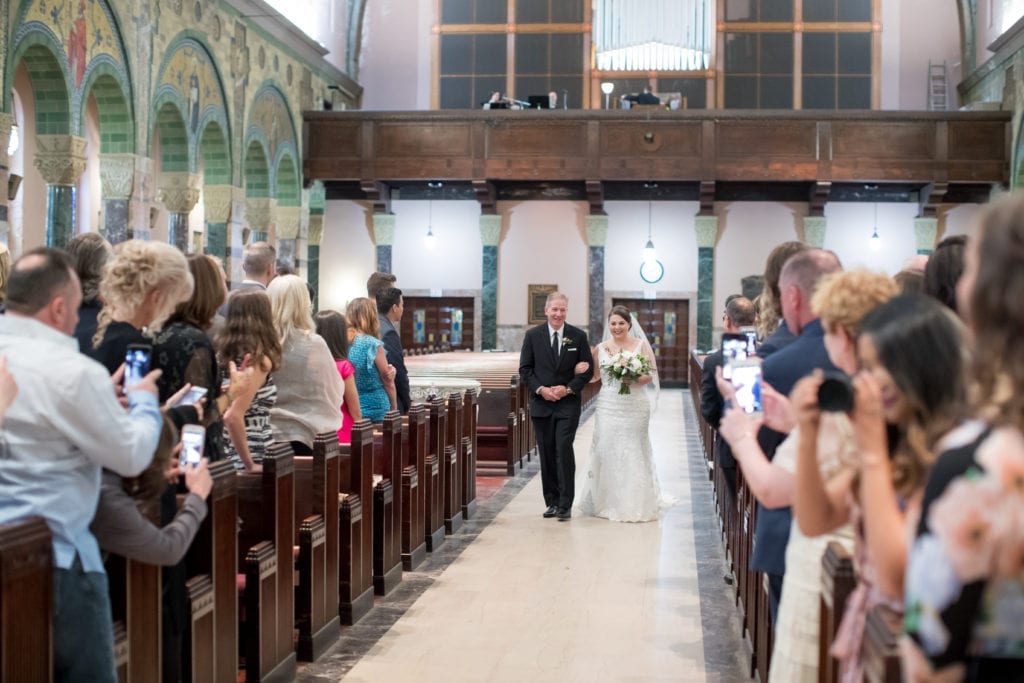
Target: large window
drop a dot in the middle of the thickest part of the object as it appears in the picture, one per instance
(474, 11)
(837, 71)
(760, 70)
(472, 66)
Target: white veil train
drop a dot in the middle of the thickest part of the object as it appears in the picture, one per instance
(652, 389)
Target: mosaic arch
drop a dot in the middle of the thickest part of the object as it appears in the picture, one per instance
(189, 80)
(286, 178)
(84, 39)
(271, 124)
(257, 170)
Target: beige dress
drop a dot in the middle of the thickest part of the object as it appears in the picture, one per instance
(795, 651)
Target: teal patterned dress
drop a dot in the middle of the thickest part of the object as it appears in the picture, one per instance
(373, 400)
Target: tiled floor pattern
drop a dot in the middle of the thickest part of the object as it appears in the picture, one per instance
(515, 597)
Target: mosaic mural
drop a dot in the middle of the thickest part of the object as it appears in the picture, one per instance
(190, 78)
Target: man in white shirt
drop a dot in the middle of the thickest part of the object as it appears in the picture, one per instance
(63, 427)
(259, 265)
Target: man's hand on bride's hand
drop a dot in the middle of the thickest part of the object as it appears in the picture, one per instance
(582, 367)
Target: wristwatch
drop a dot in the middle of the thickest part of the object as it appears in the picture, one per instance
(568, 391)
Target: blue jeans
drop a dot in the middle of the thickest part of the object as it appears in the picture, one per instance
(83, 634)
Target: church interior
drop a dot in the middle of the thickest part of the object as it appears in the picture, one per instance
(489, 153)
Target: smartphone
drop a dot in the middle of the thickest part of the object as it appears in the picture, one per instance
(192, 439)
(192, 396)
(136, 364)
(734, 348)
(751, 333)
(746, 378)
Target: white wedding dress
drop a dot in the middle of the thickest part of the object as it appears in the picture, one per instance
(621, 483)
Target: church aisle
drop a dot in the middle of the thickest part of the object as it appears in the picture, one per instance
(587, 600)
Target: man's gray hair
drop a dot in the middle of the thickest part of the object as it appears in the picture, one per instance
(258, 257)
(805, 269)
(741, 311)
(555, 295)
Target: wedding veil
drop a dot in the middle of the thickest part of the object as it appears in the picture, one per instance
(635, 331)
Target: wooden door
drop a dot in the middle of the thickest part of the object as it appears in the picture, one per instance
(667, 325)
(438, 322)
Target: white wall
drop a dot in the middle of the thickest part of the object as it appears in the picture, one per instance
(347, 254)
(455, 262)
(674, 239)
(394, 62)
(914, 32)
(325, 21)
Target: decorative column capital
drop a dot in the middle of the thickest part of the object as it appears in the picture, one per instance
(597, 230)
(316, 230)
(317, 196)
(706, 228)
(117, 175)
(217, 200)
(6, 125)
(288, 220)
(814, 231)
(60, 158)
(490, 229)
(383, 229)
(260, 212)
(925, 232)
(179, 192)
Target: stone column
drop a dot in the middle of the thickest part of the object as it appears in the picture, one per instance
(236, 235)
(179, 192)
(707, 235)
(61, 161)
(814, 231)
(490, 235)
(6, 123)
(315, 202)
(316, 233)
(925, 232)
(217, 210)
(597, 236)
(289, 218)
(259, 214)
(117, 178)
(384, 237)
(141, 207)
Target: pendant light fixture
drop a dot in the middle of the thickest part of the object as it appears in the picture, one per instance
(876, 241)
(429, 241)
(651, 269)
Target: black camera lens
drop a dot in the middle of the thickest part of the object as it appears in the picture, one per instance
(835, 395)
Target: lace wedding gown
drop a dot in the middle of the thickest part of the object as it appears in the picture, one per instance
(621, 483)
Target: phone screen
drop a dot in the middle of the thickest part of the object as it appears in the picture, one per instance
(747, 380)
(192, 437)
(136, 365)
(190, 398)
(734, 348)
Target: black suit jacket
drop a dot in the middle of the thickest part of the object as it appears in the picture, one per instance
(539, 368)
(712, 406)
(393, 352)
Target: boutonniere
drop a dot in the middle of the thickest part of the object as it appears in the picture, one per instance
(566, 341)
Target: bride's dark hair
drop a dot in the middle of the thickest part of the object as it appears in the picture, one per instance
(622, 312)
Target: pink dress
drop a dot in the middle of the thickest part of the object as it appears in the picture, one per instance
(346, 370)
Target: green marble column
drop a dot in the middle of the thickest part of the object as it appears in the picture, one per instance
(490, 234)
(384, 237)
(217, 211)
(314, 202)
(925, 232)
(316, 233)
(707, 235)
(597, 237)
(61, 161)
(815, 228)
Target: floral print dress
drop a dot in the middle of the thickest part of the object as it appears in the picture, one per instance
(964, 615)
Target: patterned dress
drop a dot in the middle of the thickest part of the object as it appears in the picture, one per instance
(257, 425)
(373, 400)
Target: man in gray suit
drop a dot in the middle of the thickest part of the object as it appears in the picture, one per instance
(259, 263)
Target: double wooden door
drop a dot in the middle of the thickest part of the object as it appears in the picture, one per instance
(438, 322)
(667, 325)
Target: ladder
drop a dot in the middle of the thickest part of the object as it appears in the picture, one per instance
(938, 87)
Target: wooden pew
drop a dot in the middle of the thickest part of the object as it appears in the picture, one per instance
(26, 601)
(837, 582)
(469, 446)
(453, 517)
(212, 564)
(266, 508)
(437, 436)
(387, 504)
(317, 514)
(136, 602)
(882, 629)
(415, 479)
(355, 598)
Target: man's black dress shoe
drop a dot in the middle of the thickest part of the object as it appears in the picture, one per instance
(564, 514)
(551, 511)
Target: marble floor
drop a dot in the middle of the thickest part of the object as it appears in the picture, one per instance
(515, 597)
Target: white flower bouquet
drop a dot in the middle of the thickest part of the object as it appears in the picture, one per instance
(627, 365)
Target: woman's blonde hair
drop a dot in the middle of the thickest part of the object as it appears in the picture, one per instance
(842, 299)
(362, 316)
(291, 306)
(136, 269)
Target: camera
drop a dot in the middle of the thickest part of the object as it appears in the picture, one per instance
(836, 393)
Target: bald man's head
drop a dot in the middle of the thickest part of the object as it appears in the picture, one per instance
(43, 285)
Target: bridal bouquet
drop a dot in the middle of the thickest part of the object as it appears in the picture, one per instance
(629, 365)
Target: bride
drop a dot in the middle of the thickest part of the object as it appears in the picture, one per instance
(621, 483)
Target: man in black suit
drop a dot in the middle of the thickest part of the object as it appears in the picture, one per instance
(547, 365)
(390, 307)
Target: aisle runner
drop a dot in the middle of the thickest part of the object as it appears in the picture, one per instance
(535, 599)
